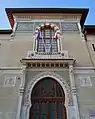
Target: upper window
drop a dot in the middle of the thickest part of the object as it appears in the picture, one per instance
(47, 39)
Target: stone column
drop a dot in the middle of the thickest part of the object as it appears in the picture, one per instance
(74, 94)
(21, 91)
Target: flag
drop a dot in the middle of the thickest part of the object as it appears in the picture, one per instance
(39, 36)
(56, 36)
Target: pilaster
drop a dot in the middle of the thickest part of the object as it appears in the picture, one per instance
(74, 93)
(21, 91)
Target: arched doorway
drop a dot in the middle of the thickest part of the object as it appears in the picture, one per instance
(47, 100)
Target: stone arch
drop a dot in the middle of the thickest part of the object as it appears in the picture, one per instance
(40, 91)
(58, 78)
(50, 25)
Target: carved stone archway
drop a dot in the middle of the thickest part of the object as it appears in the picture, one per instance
(29, 88)
(51, 25)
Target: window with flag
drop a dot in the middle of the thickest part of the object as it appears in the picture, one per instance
(47, 40)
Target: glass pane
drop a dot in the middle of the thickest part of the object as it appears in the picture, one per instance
(52, 111)
(48, 88)
(35, 108)
(43, 114)
(43, 108)
(60, 110)
(47, 44)
(40, 45)
(35, 111)
(59, 91)
(35, 116)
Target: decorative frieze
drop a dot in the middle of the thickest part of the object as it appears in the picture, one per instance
(45, 17)
(29, 63)
(47, 60)
(31, 26)
(25, 26)
(69, 26)
(47, 55)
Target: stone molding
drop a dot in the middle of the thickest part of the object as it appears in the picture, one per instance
(27, 94)
(29, 17)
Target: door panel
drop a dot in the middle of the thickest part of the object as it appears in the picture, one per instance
(48, 100)
(47, 110)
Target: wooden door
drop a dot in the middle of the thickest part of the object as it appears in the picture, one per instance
(48, 103)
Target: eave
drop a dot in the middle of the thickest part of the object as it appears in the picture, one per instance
(9, 31)
(90, 29)
(11, 11)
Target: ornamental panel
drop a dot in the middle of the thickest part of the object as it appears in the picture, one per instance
(31, 26)
(69, 26)
(25, 26)
(85, 81)
(9, 81)
(92, 113)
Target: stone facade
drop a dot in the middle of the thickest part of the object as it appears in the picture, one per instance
(21, 66)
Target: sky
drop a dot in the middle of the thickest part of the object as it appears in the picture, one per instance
(4, 23)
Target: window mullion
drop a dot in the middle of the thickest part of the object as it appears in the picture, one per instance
(44, 39)
(51, 40)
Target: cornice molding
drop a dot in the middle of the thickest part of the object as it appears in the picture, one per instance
(29, 17)
(47, 63)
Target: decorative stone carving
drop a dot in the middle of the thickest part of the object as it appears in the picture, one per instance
(37, 24)
(69, 26)
(42, 75)
(9, 81)
(44, 17)
(31, 26)
(25, 26)
(91, 113)
(48, 55)
(85, 81)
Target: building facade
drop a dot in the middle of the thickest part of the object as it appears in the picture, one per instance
(47, 65)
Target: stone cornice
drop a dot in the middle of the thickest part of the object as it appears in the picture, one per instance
(30, 17)
(11, 11)
(47, 63)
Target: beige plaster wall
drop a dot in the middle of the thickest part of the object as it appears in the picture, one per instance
(86, 95)
(13, 51)
(9, 96)
(90, 41)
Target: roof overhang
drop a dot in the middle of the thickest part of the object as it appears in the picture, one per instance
(90, 29)
(9, 31)
(11, 11)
